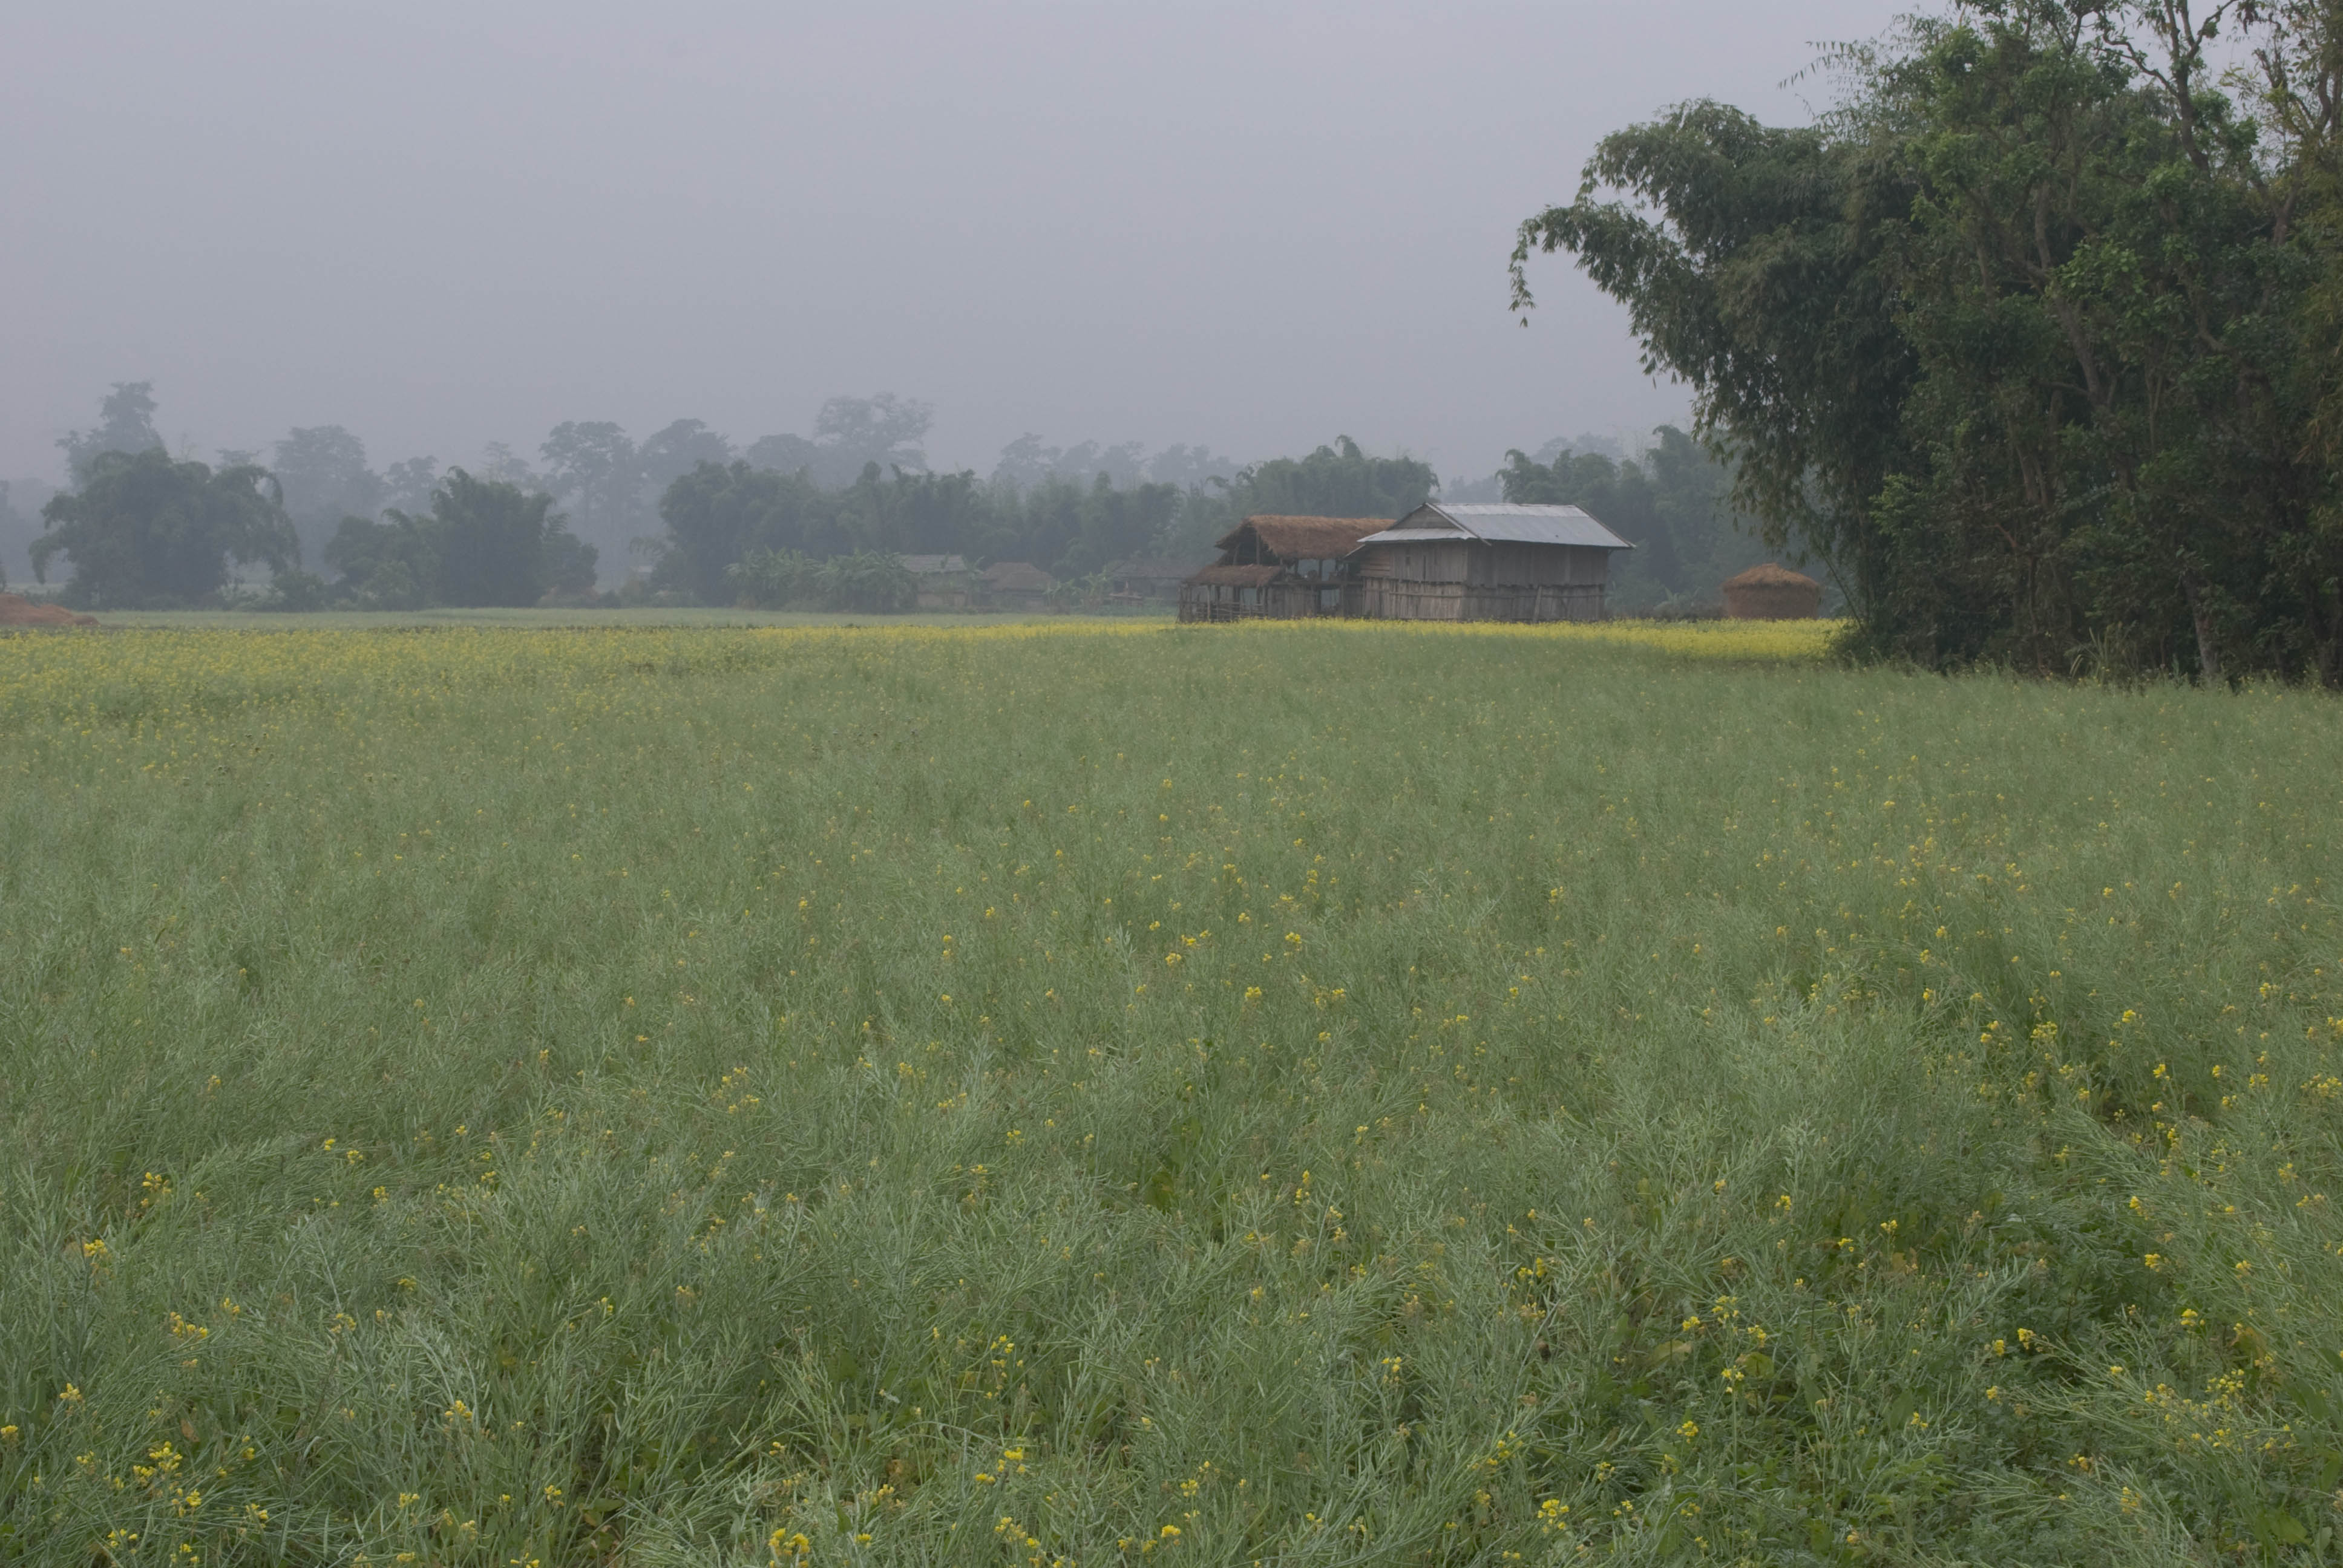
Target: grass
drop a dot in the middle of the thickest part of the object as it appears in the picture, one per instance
(641, 616)
(1321, 1094)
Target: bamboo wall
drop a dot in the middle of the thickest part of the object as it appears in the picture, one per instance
(1436, 581)
(1208, 602)
(1391, 600)
(1427, 581)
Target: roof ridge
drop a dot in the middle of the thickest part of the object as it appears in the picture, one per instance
(1530, 524)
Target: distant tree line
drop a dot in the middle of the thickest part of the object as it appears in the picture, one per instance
(875, 580)
(2036, 342)
(814, 521)
(720, 515)
(482, 542)
(144, 529)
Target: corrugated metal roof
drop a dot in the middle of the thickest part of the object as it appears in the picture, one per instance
(1412, 537)
(925, 565)
(1508, 523)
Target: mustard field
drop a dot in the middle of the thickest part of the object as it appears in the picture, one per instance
(1079, 1092)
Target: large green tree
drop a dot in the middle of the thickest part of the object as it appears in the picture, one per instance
(126, 423)
(408, 483)
(668, 454)
(147, 531)
(491, 538)
(1075, 529)
(323, 471)
(718, 513)
(393, 564)
(849, 434)
(2031, 341)
(914, 512)
(1336, 481)
(484, 542)
(1340, 480)
(593, 465)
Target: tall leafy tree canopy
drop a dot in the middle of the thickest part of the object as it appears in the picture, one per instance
(849, 434)
(147, 531)
(323, 471)
(1336, 481)
(596, 467)
(389, 565)
(484, 542)
(670, 453)
(408, 483)
(491, 539)
(126, 423)
(720, 515)
(2033, 342)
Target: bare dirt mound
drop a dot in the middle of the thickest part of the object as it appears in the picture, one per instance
(15, 610)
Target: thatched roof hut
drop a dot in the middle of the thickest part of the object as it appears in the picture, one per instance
(1291, 541)
(1772, 592)
(1278, 569)
(940, 582)
(1016, 585)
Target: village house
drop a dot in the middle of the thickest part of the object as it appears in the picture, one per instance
(1483, 561)
(941, 582)
(1017, 585)
(1279, 568)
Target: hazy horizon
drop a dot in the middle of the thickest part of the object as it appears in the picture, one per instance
(1246, 229)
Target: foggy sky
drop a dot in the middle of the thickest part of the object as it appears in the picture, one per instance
(1252, 226)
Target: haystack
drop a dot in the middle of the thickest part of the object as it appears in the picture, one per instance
(1772, 592)
(15, 610)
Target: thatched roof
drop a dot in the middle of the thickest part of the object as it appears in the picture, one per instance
(1306, 539)
(1771, 576)
(1239, 577)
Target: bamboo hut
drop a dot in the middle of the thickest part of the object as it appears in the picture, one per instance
(1016, 585)
(1486, 562)
(1280, 569)
(941, 582)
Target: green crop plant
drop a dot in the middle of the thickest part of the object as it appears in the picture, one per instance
(1321, 1093)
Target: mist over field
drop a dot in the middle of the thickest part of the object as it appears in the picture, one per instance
(1056, 785)
(1241, 229)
